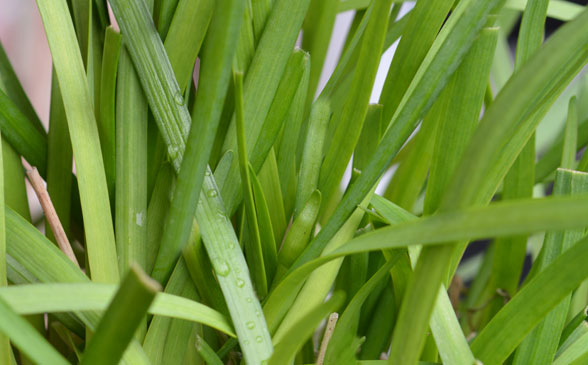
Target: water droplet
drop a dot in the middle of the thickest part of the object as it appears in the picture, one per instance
(139, 219)
(207, 173)
(221, 267)
(240, 283)
(259, 339)
(250, 325)
(249, 300)
(258, 313)
(231, 246)
(246, 342)
(212, 193)
(179, 99)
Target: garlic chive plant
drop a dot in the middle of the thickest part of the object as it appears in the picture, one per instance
(209, 220)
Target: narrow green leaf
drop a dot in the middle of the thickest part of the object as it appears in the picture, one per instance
(131, 217)
(558, 9)
(167, 338)
(303, 329)
(266, 232)
(269, 182)
(319, 283)
(21, 134)
(541, 345)
(207, 352)
(260, 10)
(123, 316)
(449, 338)
(568, 158)
(106, 109)
(299, 233)
(509, 252)
(85, 141)
(186, 34)
(349, 120)
(508, 122)
(287, 88)
(346, 329)
(27, 339)
(253, 247)
(574, 346)
(261, 84)
(558, 279)
(5, 350)
(288, 147)
(213, 85)
(157, 211)
(419, 33)
(310, 164)
(551, 159)
(59, 159)
(498, 219)
(459, 31)
(317, 29)
(408, 180)
(163, 13)
(457, 114)
(369, 138)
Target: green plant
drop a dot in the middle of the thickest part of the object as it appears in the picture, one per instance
(228, 191)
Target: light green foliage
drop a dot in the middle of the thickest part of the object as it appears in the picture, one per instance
(209, 157)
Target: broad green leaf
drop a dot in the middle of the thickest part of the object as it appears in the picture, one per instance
(26, 338)
(79, 108)
(121, 319)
